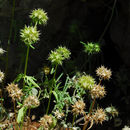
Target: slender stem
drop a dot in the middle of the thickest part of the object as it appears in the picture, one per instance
(90, 111)
(1, 98)
(74, 116)
(10, 34)
(110, 19)
(26, 63)
(29, 111)
(51, 90)
(14, 110)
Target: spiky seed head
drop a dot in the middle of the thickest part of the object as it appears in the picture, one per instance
(46, 70)
(112, 111)
(78, 107)
(97, 91)
(14, 91)
(59, 115)
(39, 16)
(103, 73)
(29, 35)
(99, 116)
(31, 102)
(55, 58)
(46, 121)
(64, 52)
(126, 128)
(2, 75)
(2, 51)
(86, 81)
(60, 54)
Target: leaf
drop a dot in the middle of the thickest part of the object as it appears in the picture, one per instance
(21, 114)
(30, 80)
(19, 77)
(34, 91)
(55, 94)
(52, 71)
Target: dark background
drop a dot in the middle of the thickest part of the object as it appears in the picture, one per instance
(72, 21)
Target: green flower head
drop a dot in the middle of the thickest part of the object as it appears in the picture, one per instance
(60, 54)
(91, 48)
(64, 52)
(29, 35)
(56, 58)
(39, 16)
(86, 81)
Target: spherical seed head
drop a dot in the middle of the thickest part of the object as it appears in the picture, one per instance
(58, 114)
(2, 51)
(99, 116)
(39, 16)
(86, 81)
(55, 58)
(111, 111)
(14, 91)
(29, 35)
(92, 48)
(64, 52)
(126, 128)
(103, 73)
(2, 75)
(46, 70)
(46, 121)
(78, 107)
(97, 91)
(31, 102)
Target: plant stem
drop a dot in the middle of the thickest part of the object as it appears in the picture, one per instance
(110, 19)
(14, 110)
(51, 91)
(10, 34)
(74, 116)
(90, 111)
(29, 111)
(26, 63)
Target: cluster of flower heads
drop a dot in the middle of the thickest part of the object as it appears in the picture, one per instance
(58, 55)
(14, 91)
(46, 121)
(39, 16)
(91, 48)
(31, 102)
(30, 34)
(86, 81)
(78, 107)
(103, 73)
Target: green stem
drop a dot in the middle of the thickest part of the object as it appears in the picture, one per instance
(26, 63)
(51, 90)
(74, 116)
(10, 34)
(110, 19)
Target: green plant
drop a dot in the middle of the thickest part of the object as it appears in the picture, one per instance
(69, 97)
